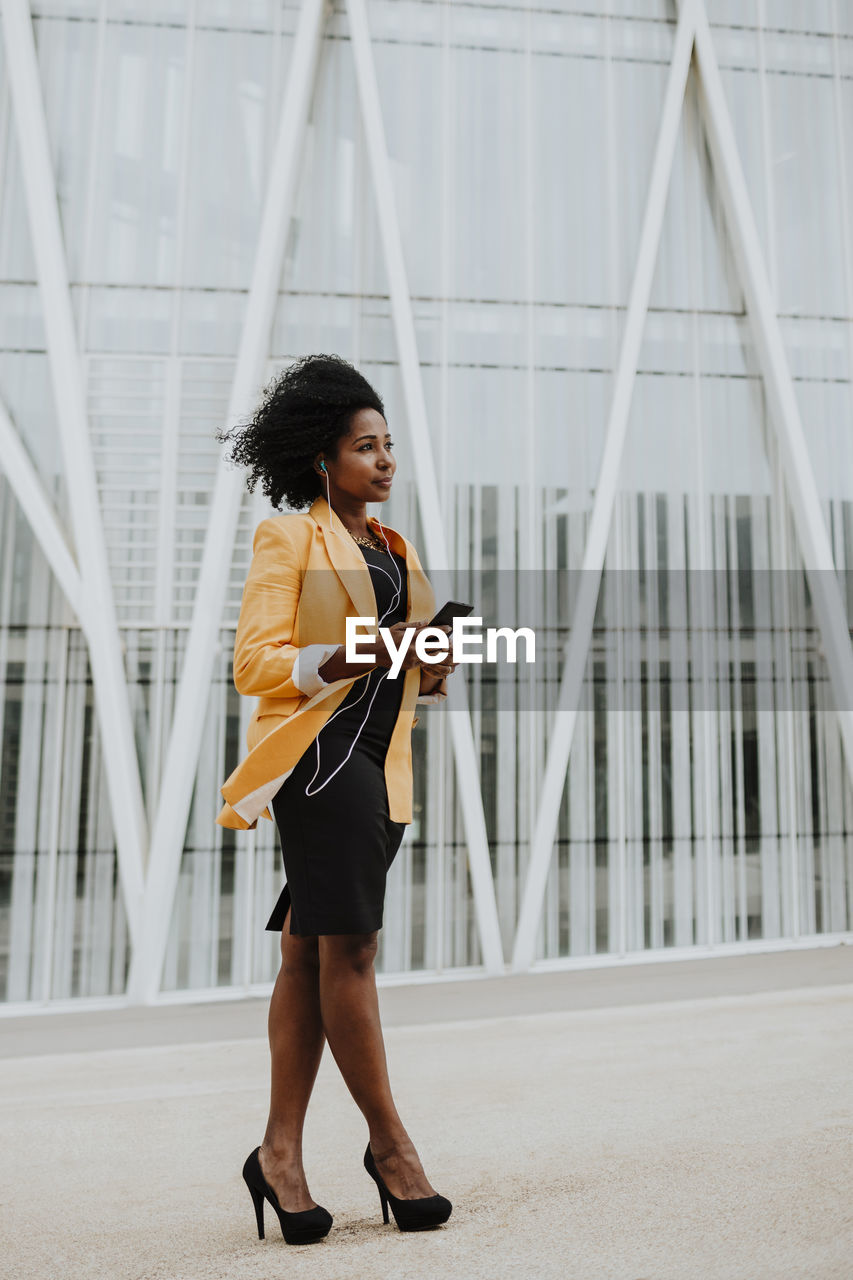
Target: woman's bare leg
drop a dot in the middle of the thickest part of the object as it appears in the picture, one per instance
(296, 1047)
(350, 1012)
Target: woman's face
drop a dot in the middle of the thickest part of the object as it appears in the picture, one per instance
(365, 458)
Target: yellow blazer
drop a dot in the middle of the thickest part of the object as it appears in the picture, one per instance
(303, 583)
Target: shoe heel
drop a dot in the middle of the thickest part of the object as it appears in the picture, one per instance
(258, 1201)
(409, 1215)
(303, 1227)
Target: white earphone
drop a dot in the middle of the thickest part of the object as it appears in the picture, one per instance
(397, 594)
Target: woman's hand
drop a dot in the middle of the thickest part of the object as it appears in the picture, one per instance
(439, 670)
(398, 635)
(337, 668)
(443, 667)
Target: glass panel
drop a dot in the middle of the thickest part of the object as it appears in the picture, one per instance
(229, 880)
(62, 924)
(26, 391)
(253, 15)
(325, 253)
(134, 220)
(154, 11)
(21, 324)
(212, 322)
(68, 57)
(126, 411)
(204, 391)
(66, 8)
(230, 136)
(805, 175)
(130, 320)
(16, 257)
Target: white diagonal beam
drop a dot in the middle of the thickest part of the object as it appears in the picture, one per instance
(194, 689)
(96, 599)
(470, 791)
(605, 496)
(39, 512)
(784, 414)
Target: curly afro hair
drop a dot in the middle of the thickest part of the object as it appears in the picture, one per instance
(304, 411)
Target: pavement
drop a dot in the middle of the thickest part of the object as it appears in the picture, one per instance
(686, 1120)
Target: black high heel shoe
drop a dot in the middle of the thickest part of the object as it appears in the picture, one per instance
(409, 1215)
(297, 1228)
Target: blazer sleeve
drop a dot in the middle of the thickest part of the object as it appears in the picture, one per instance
(438, 694)
(266, 663)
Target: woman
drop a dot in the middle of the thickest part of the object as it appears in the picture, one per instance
(330, 753)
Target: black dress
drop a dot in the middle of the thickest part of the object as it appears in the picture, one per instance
(338, 842)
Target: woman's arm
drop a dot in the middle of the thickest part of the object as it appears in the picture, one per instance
(430, 683)
(264, 657)
(333, 666)
(433, 686)
(336, 667)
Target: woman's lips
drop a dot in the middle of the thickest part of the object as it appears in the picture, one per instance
(386, 484)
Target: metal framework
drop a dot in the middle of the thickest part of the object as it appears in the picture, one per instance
(148, 887)
(602, 510)
(693, 36)
(32, 499)
(191, 700)
(462, 734)
(98, 617)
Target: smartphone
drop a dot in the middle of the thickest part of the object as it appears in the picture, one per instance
(447, 612)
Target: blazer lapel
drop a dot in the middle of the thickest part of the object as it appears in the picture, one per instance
(350, 566)
(421, 597)
(346, 559)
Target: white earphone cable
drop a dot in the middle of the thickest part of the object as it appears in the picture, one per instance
(397, 594)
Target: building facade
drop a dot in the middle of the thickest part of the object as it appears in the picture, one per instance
(626, 266)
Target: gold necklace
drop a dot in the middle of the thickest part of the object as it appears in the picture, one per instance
(371, 541)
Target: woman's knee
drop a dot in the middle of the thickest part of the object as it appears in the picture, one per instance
(355, 952)
(299, 954)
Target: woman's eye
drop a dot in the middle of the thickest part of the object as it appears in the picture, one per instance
(370, 446)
